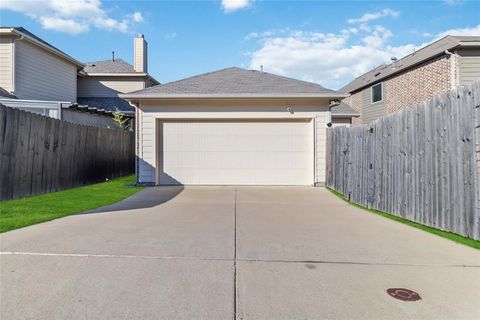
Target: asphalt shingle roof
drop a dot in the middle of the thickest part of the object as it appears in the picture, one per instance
(434, 49)
(235, 82)
(343, 109)
(23, 30)
(106, 103)
(109, 66)
(5, 94)
(28, 34)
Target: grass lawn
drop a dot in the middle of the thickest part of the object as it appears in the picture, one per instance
(444, 234)
(20, 213)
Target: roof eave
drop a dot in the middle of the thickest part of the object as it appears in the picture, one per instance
(42, 45)
(119, 74)
(469, 44)
(461, 44)
(132, 96)
(345, 115)
(155, 81)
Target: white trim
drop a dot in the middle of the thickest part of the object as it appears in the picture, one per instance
(37, 104)
(311, 121)
(314, 125)
(13, 66)
(124, 74)
(153, 96)
(469, 43)
(39, 101)
(453, 73)
(344, 115)
(25, 36)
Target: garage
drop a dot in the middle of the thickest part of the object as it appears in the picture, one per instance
(232, 127)
(236, 152)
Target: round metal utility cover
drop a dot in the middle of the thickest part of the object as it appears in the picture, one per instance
(403, 294)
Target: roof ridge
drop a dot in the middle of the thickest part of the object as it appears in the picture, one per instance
(116, 59)
(445, 38)
(33, 36)
(289, 78)
(188, 78)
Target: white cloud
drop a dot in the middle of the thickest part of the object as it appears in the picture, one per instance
(369, 16)
(68, 26)
(71, 16)
(171, 35)
(334, 59)
(452, 2)
(234, 5)
(137, 17)
(329, 59)
(473, 31)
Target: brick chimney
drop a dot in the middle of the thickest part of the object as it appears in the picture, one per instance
(140, 54)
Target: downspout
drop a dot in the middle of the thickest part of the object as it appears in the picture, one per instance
(451, 57)
(13, 63)
(137, 142)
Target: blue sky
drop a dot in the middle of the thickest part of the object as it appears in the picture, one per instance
(328, 42)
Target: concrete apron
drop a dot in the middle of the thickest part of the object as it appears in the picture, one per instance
(212, 252)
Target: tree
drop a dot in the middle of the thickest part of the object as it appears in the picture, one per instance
(121, 121)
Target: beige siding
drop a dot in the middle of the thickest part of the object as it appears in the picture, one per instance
(140, 55)
(108, 86)
(371, 111)
(6, 63)
(469, 66)
(40, 75)
(150, 111)
(321, 120)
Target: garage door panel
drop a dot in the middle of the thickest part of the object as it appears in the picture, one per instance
(236, 152)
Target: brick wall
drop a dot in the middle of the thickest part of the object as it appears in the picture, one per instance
(356, 104)
(417, 85)
(410, 88)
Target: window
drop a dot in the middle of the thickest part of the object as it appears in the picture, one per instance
(377, 93)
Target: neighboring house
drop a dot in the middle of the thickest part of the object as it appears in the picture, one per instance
(100, 82)
(37, 77)
(435, 69)
(233, 126)
(342, 114)
(33, 69)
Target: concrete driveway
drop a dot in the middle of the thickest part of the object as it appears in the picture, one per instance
(213, 252)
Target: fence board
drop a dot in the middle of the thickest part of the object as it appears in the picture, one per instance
(40, 154)
(422, 164)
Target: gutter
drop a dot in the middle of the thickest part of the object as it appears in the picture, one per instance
(451, 57)
(24, 36)
(345, 115)
(109, 74)
(397, 71)
(126, 74)
(227, 96)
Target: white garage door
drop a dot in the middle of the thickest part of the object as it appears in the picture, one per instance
(240, 152)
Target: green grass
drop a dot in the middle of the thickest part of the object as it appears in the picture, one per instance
(444, 234)
(23, 212)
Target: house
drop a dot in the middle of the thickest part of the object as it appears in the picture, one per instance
(33, 69)
(435, 69)
(342, 114)
(100, 82)
(232, 127)
(38, 77)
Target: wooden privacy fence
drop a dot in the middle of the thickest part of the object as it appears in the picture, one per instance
(421, 164)
(40, 154)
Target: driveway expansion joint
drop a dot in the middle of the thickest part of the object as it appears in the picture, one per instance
(113, 256)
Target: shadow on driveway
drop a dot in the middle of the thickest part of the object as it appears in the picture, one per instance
(146, 198)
